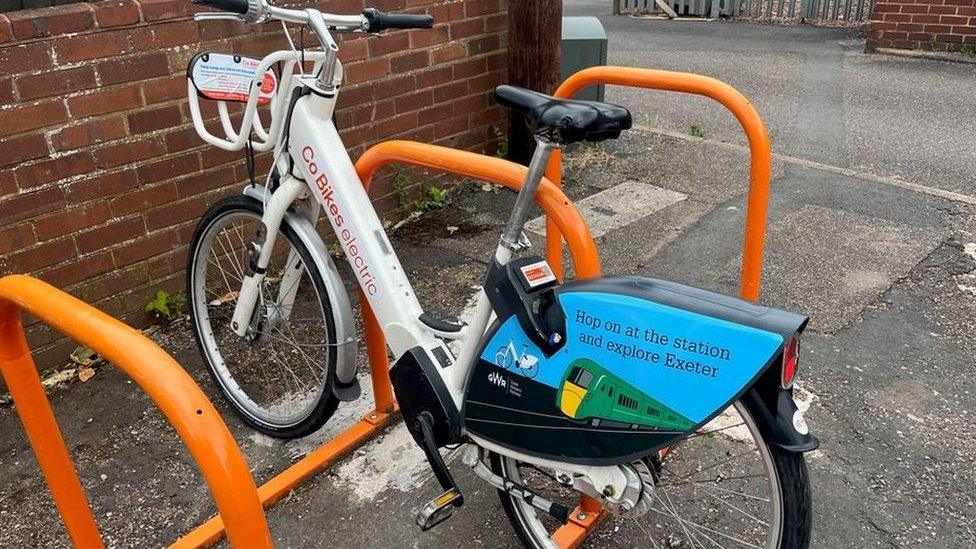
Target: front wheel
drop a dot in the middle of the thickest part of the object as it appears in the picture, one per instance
(723, 486)
(277, 376)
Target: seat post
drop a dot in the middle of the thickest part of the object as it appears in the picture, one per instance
(533, 177)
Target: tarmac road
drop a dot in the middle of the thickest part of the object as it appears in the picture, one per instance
(871, 233)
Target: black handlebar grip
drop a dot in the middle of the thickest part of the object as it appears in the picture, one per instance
(377, 20)
(235, 6)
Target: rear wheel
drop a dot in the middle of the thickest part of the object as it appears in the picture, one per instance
(277, 377)
(723, 486)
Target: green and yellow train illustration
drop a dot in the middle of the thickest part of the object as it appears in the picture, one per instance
(590, 391)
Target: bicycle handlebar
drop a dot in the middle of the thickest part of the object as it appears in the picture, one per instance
(376, 21)
(370, 20)
(234, 6)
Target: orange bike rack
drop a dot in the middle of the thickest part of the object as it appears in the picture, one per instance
(171, 388)
(761, 156)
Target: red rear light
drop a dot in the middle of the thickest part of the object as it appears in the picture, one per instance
(791, 353)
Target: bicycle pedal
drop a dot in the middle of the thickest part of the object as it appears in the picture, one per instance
(439, 509)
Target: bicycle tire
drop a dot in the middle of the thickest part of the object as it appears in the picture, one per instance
(325, 403)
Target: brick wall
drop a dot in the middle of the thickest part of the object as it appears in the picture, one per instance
(101, 175)
(939, 25)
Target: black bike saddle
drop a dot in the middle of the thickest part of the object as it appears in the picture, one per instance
(565, 120)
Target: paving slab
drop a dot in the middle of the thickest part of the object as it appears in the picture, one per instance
(617, 207)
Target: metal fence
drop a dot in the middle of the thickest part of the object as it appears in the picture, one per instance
(825, 11)
(814, 11)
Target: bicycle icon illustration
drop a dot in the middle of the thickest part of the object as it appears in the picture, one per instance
(524, 363)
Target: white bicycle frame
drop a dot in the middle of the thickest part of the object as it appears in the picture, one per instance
(327, 174)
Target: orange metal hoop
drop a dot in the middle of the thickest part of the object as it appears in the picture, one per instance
(759, 168)
(171, 388)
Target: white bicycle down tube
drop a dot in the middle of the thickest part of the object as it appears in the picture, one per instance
(318, 152)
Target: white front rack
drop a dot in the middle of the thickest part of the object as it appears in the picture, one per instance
(261, 140)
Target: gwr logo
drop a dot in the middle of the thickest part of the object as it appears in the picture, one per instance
(498, 379)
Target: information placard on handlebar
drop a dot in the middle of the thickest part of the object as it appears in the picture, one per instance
(228, 77)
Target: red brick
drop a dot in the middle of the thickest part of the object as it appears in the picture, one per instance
(131, 69)
(175, 213)
(483, 45)
(167, 264)
(968, 30)
(884, 8)
(954, 20)
(103, 185)
(164, 89)
(105, 101)
(364, 71)
(71, 221)
(26, 205)
(446, 13)
(54, 169)
(386, 43)
(352, 50)
(902, 18)
(970, 11)
(21, 118)
(43, 255)
(7, 186)
(910, 28)
(118, 154)
(91, 46)
(480, 7)
(144, 199)
(434, 77)
(16, 237)
(154, 10)
(7, 92)
(938, 29)
(399, 124)
(53, 21)
(960, 3)
(155, 119)
(414, 101)
(220, 30)
(212, 156)
(205, 181)
(409, 62)
(25, 57)
(168, 168)
(6, 33)
(949, 38)
(89, 133)
(912, 8)
(110, 235)
(116, 13)
(428, 37)
(18, 149)
(467, 28)
(113, 284)
(164, 35)
(496, 22)
(46, 84)
(77, 270)
(164, 242)
(943, 10)
(470, 68)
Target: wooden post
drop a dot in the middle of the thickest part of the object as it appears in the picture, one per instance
(616, 7)
(534, 50)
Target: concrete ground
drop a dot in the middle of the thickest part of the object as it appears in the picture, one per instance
(871, 233)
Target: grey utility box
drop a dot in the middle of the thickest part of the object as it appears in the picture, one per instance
(584, 45)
